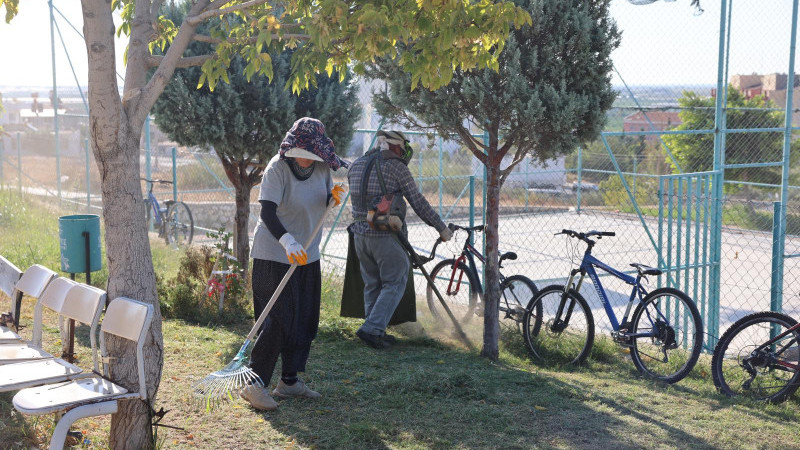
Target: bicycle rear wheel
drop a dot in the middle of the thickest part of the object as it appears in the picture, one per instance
(740, 367)
(673, 335)
(558, 327)
(517, 292)
(460, 290)
(179, 224)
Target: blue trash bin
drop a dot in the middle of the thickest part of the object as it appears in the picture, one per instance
(73, 243)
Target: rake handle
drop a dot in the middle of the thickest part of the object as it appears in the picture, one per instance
(252, 335)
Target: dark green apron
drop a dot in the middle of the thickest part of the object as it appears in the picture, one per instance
(353, 290)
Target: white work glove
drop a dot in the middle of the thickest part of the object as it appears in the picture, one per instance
(294, 251)
(446, 234)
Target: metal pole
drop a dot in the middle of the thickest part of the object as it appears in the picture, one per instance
(440, 176)
(779, 241)
(2, 156)
(148, 170)
(580, 175)
(719, 179)
(472, 202)
(55, 98)
(88, 178)
(174, 174)
(776, 281)
(19, 162)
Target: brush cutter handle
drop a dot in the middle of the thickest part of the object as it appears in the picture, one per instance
(252, 335)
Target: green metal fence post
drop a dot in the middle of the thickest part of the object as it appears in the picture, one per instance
(2, 156)
(441, 184)
(715, 247)
(580, 175)
(148, 170)
(472, 202)
(174, 174)
(776, 281)
(779, 241)
(88, 179)
(55, 98)
(19, 162)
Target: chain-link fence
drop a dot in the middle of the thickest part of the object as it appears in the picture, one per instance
(694, 157)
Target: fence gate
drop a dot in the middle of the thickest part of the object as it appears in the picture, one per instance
(687, 246)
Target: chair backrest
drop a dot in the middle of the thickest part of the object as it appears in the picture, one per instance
(84, 304)
(9, 275)
(128, 319)
(34, 280)
(53, 298)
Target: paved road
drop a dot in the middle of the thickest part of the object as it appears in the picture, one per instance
(547, 259)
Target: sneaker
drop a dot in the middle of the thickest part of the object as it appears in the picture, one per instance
(298, 389)
(373, 340)
(258, 397)
(389, 339)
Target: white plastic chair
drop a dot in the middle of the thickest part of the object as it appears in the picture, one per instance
(81, 302)
(91, 394)
(71, 305)
(32, 283)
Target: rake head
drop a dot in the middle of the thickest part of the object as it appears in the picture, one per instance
(225, 384)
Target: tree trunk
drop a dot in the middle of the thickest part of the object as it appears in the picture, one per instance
(115, 143)
(242, 220)
(491, 298)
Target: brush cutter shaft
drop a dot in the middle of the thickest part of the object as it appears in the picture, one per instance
(252, 334)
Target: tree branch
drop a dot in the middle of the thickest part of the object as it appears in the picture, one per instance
(519, 156)
(209, 13)
(154, 9)
(186, 61)
(252, 40)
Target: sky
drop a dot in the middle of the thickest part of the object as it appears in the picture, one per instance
(663, 43)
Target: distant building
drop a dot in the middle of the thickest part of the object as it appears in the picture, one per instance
(650, 121)
(772, 86)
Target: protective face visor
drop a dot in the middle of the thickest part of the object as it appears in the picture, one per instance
(408, 152)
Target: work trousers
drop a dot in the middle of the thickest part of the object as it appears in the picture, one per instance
(384, 269)
(293, 321)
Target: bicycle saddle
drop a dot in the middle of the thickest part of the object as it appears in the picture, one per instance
(646, 270)
(508, 255)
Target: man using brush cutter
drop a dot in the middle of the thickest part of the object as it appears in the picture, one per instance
(295, 192)
(379, 181)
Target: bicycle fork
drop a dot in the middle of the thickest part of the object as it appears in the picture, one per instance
(560, 324)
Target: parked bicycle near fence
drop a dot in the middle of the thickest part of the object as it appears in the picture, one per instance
(759, 357)
(173, 221)
(457, 279)
(664, 333)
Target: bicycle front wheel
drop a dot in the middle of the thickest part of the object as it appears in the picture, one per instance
(517, 292)
(558, 327)
(179, 224)
(667, 335)
(743, 365)
(459, 287)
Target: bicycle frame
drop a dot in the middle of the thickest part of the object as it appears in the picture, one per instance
(155, 206)
(587, 266)
(468, 255)
(775, 339)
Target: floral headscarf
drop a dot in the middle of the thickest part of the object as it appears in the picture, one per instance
(309, 134)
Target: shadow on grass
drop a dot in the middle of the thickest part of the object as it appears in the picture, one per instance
(15, 431)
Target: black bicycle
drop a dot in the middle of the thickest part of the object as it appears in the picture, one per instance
(458, 282)
(174, 221)
(758, 357)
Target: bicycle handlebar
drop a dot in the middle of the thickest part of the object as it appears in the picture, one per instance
(156, 181)
(585, 236)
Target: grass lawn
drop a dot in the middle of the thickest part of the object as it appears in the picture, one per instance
(426, 392)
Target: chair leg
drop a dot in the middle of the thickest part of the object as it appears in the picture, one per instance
(59, 437)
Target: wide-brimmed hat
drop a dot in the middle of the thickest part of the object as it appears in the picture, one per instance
(308, 134)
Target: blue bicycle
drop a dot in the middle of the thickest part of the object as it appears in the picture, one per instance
(664, 333)
(174, 222)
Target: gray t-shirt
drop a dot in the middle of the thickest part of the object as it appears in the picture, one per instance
(301, 205)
